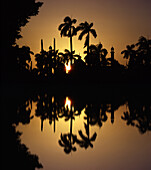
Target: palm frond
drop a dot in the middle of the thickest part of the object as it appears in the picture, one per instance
(99, 46)
(104, 51)
(123, 51)
(78, 28)
(82, 34)
(83, 25)
(64, 31)
(60, 143)
(61, 25)
(74, 31)
(74, 21)
(93, 137)
(91, 25)
(93, 33)
(82, 136)
(66, 51)
(67, 19)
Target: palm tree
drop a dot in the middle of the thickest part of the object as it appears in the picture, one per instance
(144, 50)
(99, 53)
(68, 30)
(86, 29)
(130, 54)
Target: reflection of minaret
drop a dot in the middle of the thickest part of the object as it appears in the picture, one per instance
(112, 56)
(41, 124)
(42, 49)
(54, 116)
(112, 114)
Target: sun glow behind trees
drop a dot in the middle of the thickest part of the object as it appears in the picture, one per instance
(68, 67)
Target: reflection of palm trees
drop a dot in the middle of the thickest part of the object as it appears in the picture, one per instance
(24, 113)
(67, 29)
(86, 29)
(138, 116)
(68, 140)
(41, 109)
(86, 139)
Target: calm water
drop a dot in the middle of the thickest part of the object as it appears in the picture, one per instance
(87, 134)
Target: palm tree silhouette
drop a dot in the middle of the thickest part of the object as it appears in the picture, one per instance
(86, 29)
(144, 51)
(86, 139)
(99, 54)
(130, 54)
(68, 30)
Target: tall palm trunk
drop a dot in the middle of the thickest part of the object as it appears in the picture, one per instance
(71, 126)
(88, 49)
(54, 56)
(71, 122)
(71, 57)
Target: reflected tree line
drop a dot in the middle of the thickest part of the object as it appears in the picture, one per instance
(55, 108)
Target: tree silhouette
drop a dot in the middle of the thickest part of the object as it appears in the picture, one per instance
(24, 58)
(86, 29)
(86, 140)
(17, 14)
(68, 140)
(98, 55)
(68, 30)
(144, 51)
(130, 54)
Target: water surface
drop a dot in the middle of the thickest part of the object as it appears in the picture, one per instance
(67, 133)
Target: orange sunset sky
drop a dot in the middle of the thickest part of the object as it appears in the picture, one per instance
(117, 23)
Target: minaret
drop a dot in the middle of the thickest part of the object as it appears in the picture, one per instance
(112, 56)
(42, 49)
(54, 44)
(54, 54)
(112, 113)
(31, 66)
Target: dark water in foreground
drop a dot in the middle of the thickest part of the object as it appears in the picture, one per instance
(90, 132)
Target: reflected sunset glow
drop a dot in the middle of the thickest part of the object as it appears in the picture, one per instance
(68, 103)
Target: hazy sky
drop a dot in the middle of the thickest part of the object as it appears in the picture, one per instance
(117, 23)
